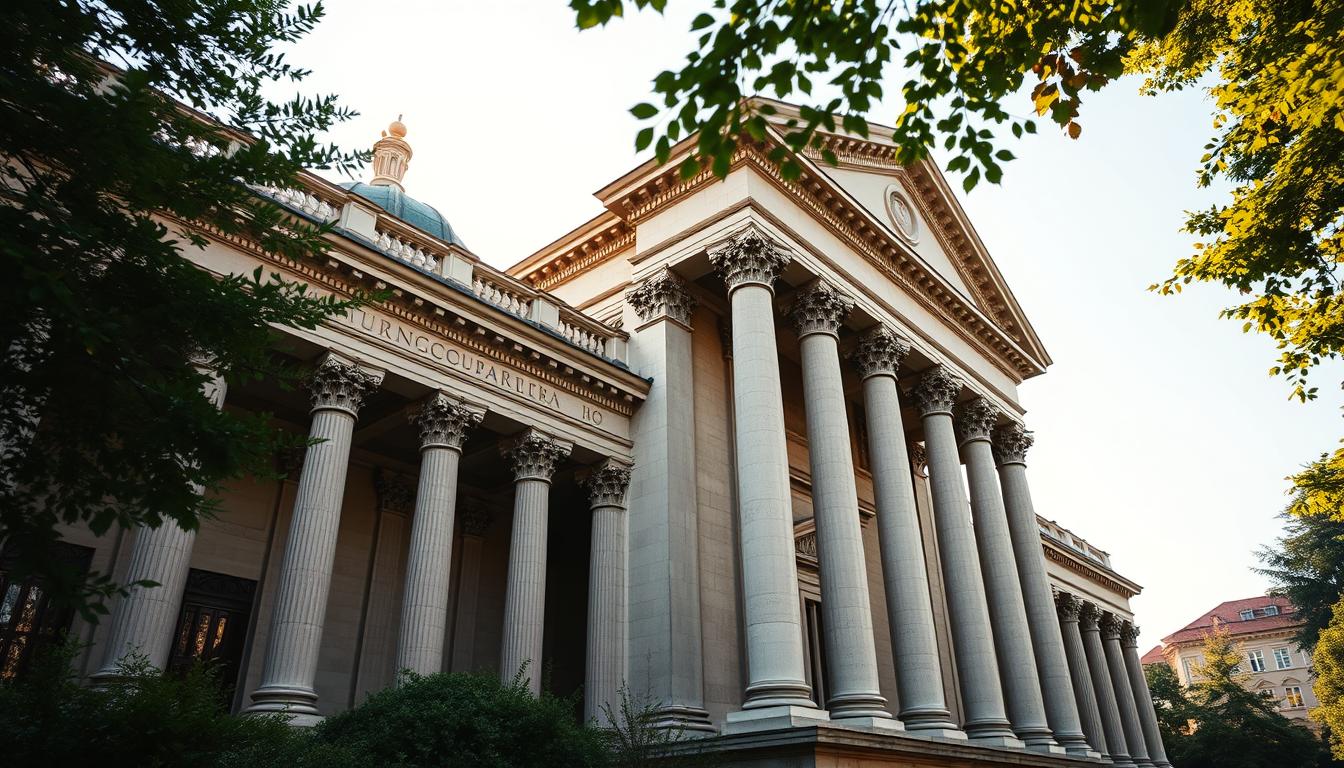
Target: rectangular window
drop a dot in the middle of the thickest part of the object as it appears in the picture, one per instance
(1292, 697)
(1248, 615)
(29, 619)
(1257, 661)
(1271, 610)
(1189, 670)
(1282, 659)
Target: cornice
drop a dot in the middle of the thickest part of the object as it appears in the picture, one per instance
(1096, 575)
(435, 315)
(597, 242)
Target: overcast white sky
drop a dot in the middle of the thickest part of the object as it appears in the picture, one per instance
(1159, 437)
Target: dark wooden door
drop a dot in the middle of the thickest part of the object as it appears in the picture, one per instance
(212, 627)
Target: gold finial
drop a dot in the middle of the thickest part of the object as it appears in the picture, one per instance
(391, 156)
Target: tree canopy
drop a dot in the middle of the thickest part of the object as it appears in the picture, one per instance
(1307, 567)
(120, 122)
(1328, 661)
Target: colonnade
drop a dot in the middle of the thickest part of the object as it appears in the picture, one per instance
(1018, 667)
(143, 621)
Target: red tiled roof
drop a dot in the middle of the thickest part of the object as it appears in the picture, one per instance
(1153, 657)
(1229, 615)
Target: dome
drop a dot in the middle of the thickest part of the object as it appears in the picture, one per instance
(419, 215)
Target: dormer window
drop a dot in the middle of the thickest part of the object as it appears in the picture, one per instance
(1271, 610)
(1247, 615)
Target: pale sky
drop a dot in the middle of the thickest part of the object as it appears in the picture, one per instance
(1159, 436)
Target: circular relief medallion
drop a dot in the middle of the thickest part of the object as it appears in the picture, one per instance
(902, 213)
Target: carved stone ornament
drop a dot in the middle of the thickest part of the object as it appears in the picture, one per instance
(475, 518)
(726, 337)
(1068, 606)
(1011, 443)
(806, 545)
(749, 257)
(976, 419)
(607, 482)
(1088, 615)
(820, 308)
(936, 391)
(534, 455)
(1110, 626)
(341, 386)
(444, 421)
(919, 459)
(396, 492)
(1129, 635)
(880, 353)
(662, 295)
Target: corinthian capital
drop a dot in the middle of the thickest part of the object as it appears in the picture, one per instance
(880, 353)
(1110, 626)
(339, 385)
(976, 419)
(1088, 615)
(1011, 443)
(1129, 635)
(534, 455)
(1068, 606)
(444, 421)
(936, 391)
(662, 295)
(820, 308)
(607, 482)
(749, 257)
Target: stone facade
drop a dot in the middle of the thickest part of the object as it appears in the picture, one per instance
(708, 447)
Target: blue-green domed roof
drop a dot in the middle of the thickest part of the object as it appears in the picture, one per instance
(419, 215)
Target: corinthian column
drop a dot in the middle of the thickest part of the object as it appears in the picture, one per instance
(338, 390)
(665, 640)
(1118, 749)
(534, 457)
(776, 682)
(909, 608)
(1124, 695)
(1088, 712)
(144, 619)
(605, 670)
(444, 422)
(1143, 698)
(972, 639)
(1010, 452)
(851, 654)
(1008, 614)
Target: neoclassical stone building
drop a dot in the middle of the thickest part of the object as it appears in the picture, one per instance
(751, 448)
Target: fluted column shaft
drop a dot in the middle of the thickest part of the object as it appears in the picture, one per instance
(972, 639)
(1008, 614)
(605, 671)
(290, 668)
(1117, 748)
(443, 423)
(534, 457)
(1061, 706)
(1124, 695)
(1143, 698)
(851, 653)
(773, 625)
(1088, 712)
(144, 619)
(909, 605)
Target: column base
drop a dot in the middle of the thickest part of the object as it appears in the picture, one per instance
(936, 732)
(299, 704)
(1044, 748)
(773, 718)
(769, 694)
(879, 724)
(993, 733)
(936, 722)
(692, 722)
(858, 705)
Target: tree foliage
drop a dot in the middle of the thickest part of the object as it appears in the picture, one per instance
(121, 121)
(1328, 661)
(1217, 722)
(1307, 567)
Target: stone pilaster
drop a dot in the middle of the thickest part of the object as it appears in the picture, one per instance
(533, 457)
(851, 653)
(338, 389)
(607, 598)
(474, 520)
(914, 642)
(1124, 695)
(1068, 608)
(777, 690)
(1117, 748)
(968, 610)
(144, 618)
(665, 640)
(1143, 698)
(1010, 445)
(444, 422)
